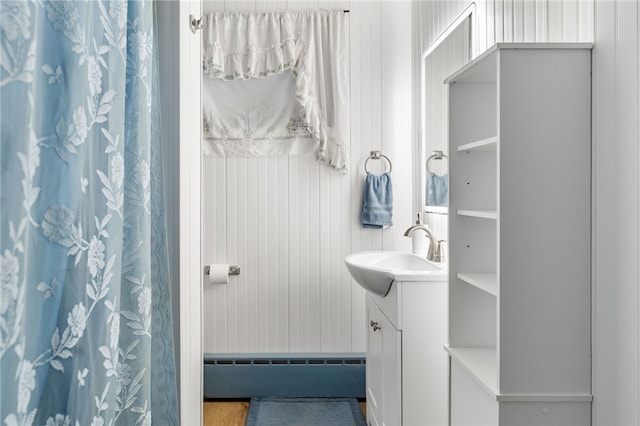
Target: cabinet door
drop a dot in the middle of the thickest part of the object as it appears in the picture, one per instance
(383, 369)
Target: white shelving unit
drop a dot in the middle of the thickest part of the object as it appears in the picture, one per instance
(519, 236)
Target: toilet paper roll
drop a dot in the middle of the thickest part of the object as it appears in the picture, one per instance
(219, 274)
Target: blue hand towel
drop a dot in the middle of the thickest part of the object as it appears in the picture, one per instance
(437, 190)
(377, 201)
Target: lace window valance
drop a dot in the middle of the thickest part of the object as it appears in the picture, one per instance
(276, 83)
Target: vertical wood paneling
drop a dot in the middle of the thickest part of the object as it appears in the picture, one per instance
(570, 20)
(490, 11)
(311, 246)
(281, 239)
(480, 26)
(252, 277)
(288, 222)
(508, 17)
(264, 268)
(541, 21)
(271, 4)
(358, 73)
(502, 21)
(376, 88)
(518, 21)
(401, 124)
(232, 316)
(555, 20)
(585, 20)
(214, 228)
(498, 20)
(295, 307)
(384, 39)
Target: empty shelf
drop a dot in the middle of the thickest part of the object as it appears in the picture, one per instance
(480, 363)
(488, 144)
(484, 281)
(484, 214)
(436, 209)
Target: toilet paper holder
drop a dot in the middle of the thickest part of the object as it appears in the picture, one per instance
(233, 270)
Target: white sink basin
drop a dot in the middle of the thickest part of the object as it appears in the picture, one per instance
(376, 270)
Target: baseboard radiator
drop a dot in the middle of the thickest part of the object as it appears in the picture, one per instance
(234, 376)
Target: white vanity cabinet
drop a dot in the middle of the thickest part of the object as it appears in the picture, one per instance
(407, 370)
(519, 236)
(384, 343)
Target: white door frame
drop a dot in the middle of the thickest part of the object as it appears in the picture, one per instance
(191, 369)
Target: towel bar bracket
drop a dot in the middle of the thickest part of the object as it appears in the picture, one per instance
(195, 24)
(377, 155)
(435, 155)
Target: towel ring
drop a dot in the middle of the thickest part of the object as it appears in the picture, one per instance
(435, 155)
(377, 155)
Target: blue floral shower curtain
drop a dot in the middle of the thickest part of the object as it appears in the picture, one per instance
(85, 307)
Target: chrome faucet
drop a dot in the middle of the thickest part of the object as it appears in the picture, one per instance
(436, 251)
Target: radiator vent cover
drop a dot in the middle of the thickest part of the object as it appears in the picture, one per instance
(284, 375)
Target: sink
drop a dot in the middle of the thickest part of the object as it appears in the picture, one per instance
(375, 271)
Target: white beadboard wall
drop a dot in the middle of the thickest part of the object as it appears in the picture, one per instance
(288, 222)
(508, 21)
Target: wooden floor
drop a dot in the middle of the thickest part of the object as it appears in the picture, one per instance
(232, 413)
(225, 413)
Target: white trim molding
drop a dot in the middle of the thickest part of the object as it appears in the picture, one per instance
(190, 222)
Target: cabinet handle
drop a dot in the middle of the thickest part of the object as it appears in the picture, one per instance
(374, 325)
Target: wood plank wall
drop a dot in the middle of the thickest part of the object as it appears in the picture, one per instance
(288, 222)
(509, 20)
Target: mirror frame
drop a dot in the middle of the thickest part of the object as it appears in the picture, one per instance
(468, 15)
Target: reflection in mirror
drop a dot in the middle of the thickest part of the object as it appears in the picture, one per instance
(448, 53)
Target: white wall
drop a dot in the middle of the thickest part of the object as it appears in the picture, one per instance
(288, 222)
(613, 25)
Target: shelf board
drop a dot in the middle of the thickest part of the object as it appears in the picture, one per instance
(488, 144)
(484, 281)
(436, 209)
(483, 214)
(480, 363)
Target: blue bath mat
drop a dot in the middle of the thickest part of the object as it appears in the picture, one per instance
(305, 412)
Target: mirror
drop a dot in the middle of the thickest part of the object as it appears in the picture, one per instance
(450, 51)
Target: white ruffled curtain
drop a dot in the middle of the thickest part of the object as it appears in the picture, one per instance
(255, 65)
